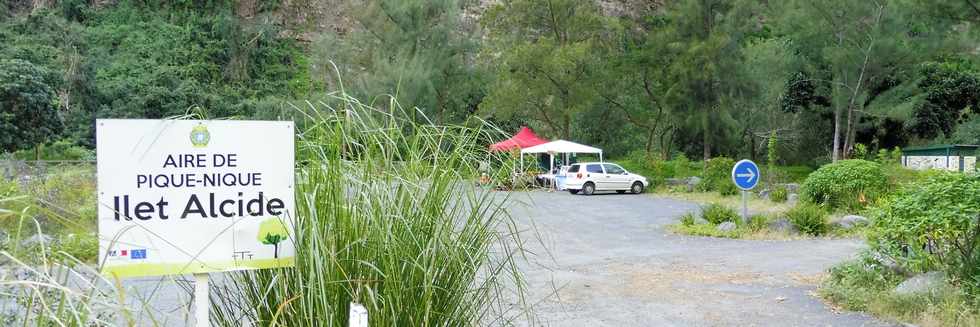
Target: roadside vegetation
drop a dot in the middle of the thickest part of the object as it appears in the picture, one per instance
(923, 265)
(409, 238)
(51, 207)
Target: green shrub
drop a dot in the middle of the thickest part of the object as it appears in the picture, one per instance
(687, 219)
(845, 184)
(934, 223)
(778, 194)
(717, 171)
(808, 218)
(58, 150)
(716, 213)
(727, 188)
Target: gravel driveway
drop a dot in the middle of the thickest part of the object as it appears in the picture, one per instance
(606, 260)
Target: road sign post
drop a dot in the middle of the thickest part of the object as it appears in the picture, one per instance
(745, 175)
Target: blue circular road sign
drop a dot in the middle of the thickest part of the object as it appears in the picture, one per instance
(745, 174)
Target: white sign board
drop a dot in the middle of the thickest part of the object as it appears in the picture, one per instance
(191, 196)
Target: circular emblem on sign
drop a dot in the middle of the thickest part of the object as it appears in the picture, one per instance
(200, 136)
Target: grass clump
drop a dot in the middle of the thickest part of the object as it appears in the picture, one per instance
(688, 219)
(865, 285)
(717, 213)
(779, 194)
(757, 223)
(705, 230)
(810, 219)
(386, 218)
(727, 189)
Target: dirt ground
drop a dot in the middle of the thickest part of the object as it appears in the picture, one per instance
(606, 260)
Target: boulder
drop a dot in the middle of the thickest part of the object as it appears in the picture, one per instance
(675, 181)
(726, 226)
(792, 187)
(699, 221)
(764, 194)
(925, 283)
(792, 198)
(782, 225)
(36, 241)
(850, 221)
(692, 183)
(888, 263)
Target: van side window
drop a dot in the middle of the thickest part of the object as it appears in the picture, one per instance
(573, 168)
(594, 169)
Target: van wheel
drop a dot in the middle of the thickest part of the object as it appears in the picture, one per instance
(588, 188)
(637, 188)
(572, 191)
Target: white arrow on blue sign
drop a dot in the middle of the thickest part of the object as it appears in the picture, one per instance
(745, 174)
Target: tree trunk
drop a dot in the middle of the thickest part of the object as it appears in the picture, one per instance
(649, 145)
(848, 134)
(568, 127)
(836, 152)
(705, 129)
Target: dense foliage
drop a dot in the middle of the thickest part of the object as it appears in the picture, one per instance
(845, 184)
(134, 60)
(933, 224)
(687, 77)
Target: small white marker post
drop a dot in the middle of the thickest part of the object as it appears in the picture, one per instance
(358, 316)
(201, 302)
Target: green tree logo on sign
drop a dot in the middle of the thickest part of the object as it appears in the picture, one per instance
(271, 232)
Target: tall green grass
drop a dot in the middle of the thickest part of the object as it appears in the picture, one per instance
(388, 216)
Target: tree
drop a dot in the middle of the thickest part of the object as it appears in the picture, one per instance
(271, 232)
(951, 90)
(28, 113)
(955, 10)
(709, 36)
(856, 45)
(768, 67)
(545, 55)
(420, 52)
(634, 81)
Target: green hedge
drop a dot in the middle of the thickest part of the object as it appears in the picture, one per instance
(849, 184)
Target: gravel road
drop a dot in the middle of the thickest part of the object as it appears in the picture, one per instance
(606, 260)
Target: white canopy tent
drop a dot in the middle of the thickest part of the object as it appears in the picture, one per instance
(560, 146)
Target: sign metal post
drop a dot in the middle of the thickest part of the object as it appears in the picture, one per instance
(745, 175)
(201, 300)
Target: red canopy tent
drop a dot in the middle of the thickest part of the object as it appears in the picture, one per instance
(523, 139)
